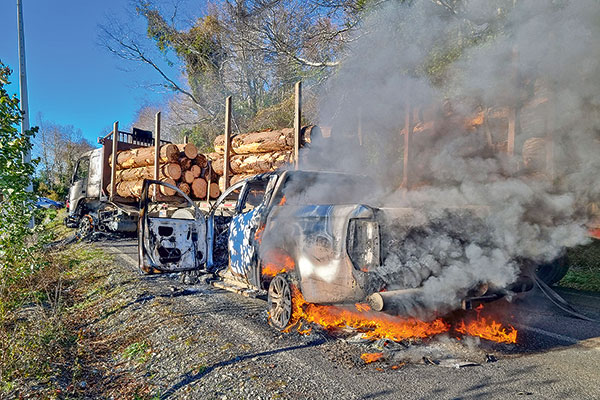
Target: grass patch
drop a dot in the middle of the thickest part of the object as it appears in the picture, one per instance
(137, 351)
(39, 347)
(584, 268)
(582, 280)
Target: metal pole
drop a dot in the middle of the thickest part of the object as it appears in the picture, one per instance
(297, 122)
(113, 170)
(156, 150)
(23, 75)
(23, 89)
(227, 143)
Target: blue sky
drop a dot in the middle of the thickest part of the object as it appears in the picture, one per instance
(72, 80)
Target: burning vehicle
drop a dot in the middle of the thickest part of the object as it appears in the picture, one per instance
(286, 235)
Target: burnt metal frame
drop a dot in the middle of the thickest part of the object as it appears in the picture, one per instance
(143, 220)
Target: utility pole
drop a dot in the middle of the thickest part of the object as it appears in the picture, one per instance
(23, 89)
(23, 76)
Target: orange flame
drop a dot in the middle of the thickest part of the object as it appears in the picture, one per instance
(362, 307)
(282, 201)
(490, 330)
(277, 262)
(368, 358)
(373, 325)
(259, 233)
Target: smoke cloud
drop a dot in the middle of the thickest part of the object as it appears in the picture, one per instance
(465, 75)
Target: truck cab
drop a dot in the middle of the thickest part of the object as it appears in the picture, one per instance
(85, 182)
(90, 207)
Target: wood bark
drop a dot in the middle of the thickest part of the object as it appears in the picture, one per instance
(185, 163)
(188, 177)
(196, 170)
(188, 150)
(213, 156)
(200, 160)
(267, 141)
(237, 178)
(198, 188)
(184, 187)
(133, 189)
(215, 191)
(233, 180)
(170, 170)
(144, 156)
(534, 154)
(255, 163)
(209, 174)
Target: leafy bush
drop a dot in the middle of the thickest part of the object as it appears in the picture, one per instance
(18, 247)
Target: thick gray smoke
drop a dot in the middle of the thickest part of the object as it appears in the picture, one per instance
(467, 73)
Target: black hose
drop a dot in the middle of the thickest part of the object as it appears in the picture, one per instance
(558, 301)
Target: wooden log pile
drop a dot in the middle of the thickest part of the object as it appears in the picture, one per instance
(180, 165)
(183, 166)
(258, 152)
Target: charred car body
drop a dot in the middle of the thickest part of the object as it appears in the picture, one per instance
(269, 232)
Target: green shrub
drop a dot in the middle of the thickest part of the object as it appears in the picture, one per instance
(19, 247)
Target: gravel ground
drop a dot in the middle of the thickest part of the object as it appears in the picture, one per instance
(201, 342)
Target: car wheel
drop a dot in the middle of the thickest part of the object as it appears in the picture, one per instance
(280, 302)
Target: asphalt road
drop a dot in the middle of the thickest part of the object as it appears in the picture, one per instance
(556, 356)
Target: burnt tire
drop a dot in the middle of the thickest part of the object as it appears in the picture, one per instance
(280, 302)
(85, 226)
(554, 271)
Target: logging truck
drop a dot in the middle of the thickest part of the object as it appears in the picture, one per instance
(107, 182)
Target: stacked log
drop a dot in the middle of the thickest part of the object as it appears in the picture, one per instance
(258, 152)
(144, 156)
(180, 165)
(170, 170)
(183, 166)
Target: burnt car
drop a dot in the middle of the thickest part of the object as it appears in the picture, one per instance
(303, 229)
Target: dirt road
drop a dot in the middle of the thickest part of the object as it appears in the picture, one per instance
(210, 343)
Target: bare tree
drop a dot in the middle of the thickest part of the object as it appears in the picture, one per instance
(60, 148)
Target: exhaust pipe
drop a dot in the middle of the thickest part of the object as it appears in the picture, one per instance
(402, 301)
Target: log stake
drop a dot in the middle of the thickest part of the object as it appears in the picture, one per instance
(113, 171)
(297, 122)
(227, 141)
(156, 149)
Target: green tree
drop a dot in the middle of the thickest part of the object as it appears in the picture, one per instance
(17, 254)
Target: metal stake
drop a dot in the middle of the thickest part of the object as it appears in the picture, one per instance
(227, 143)
(156, 150)
(297, 122)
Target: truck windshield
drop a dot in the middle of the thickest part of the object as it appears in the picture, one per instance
(306, 188)
(83, 167)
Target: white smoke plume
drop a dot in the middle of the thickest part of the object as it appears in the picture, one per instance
(540, 58)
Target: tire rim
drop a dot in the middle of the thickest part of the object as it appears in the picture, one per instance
(85, 226)
(280, 303)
